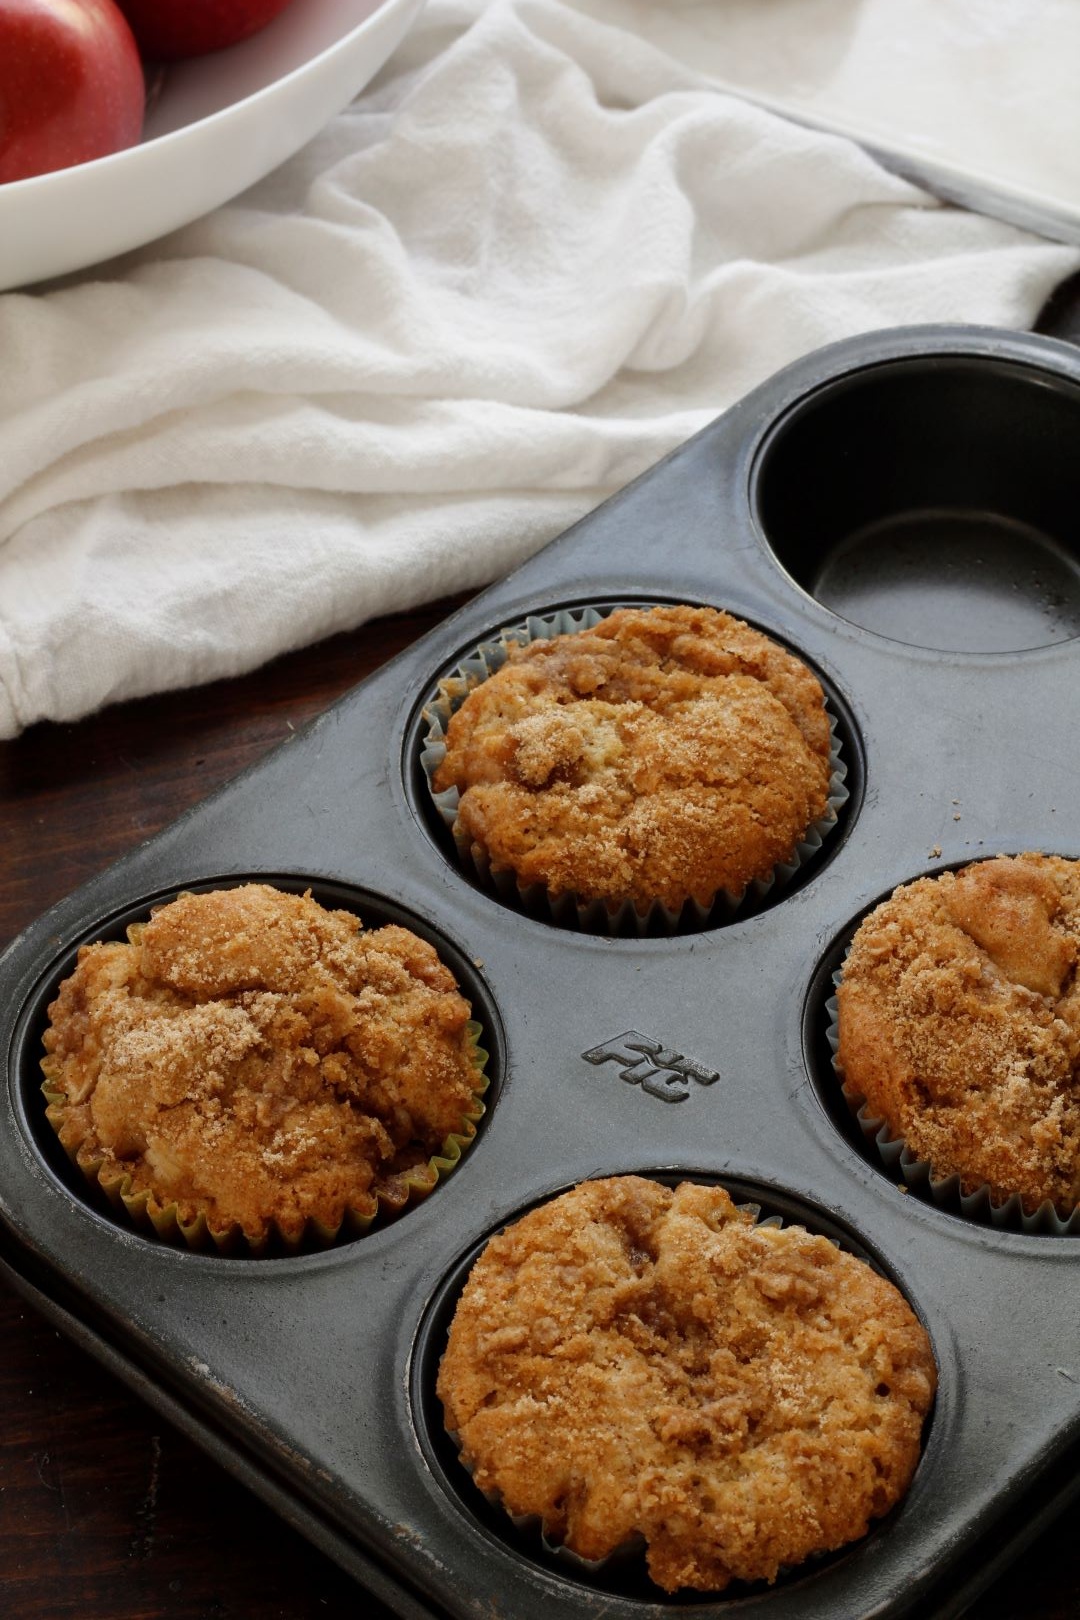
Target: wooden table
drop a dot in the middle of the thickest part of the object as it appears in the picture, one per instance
(106, 1513)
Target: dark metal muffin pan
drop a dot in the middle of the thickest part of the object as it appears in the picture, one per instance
(904, 511)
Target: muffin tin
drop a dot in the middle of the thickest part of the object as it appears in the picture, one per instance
(901, 510)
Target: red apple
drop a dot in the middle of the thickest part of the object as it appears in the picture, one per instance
(71, 85)
(167, 29)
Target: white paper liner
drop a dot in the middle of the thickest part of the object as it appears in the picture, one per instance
(946, 1192)
(634, 1549)
(594, 916)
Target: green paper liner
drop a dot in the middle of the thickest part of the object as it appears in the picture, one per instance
(633, 1550)
(946, 1192)
(570, 910)
(393, 1194)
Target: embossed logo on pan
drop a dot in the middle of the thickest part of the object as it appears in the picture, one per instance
(648, 1063)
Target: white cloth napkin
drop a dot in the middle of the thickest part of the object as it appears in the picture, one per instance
(537, 254)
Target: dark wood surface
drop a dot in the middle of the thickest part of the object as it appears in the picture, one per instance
(106, 1512)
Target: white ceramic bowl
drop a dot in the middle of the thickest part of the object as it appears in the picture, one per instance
(219, 123)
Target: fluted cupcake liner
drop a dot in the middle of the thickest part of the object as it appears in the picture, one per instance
(531, 1527)
(947, 1192)
(392, 1194)
(624, 918)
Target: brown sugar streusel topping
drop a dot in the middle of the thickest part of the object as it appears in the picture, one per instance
(627, 1361)
(666, 754)
(257, 1058)
(959, 1022)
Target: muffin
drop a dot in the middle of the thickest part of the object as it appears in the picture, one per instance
(628, 1363)
(959, 1024)
(659, 756)
(251, 1066)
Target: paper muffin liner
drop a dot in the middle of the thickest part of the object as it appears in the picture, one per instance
(947, 1192)
(623, 918)
(631, 1554)
(531, 1527)
(393, 1194)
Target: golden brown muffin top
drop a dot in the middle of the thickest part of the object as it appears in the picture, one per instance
(665, 754)
(630, 1361)
(257, 1058)
(959, 1022)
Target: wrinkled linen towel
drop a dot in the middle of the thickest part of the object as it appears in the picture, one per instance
(533, 257)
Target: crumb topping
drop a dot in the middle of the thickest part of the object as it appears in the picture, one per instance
(665, 754)
(251, 1055)
(627, 1361)
(959, 1022)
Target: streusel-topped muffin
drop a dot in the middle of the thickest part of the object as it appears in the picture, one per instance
(959, 1023)
(630, 1362)
(663, 755)
(251, 1058)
